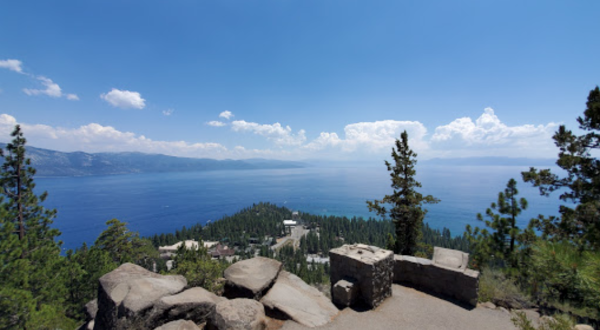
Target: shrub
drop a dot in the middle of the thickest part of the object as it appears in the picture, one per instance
(496, 287)
(558, 322)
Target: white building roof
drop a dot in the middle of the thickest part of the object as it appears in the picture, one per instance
(189, 244)
(289, 222)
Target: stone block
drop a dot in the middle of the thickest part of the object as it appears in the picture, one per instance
(370, 266)
(344, 293)
(450, 258)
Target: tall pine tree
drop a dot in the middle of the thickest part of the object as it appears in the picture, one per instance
(30, 261)
(581, 185)
(404, 205)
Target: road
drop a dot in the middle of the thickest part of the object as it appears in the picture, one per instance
(297, 233)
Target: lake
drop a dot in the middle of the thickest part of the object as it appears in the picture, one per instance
(164, 202)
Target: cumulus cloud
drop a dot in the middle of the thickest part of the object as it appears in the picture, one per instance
(98, 138)
(275, 132)
(51, 89)
(124, 99)
(488, 135)
(168, 112)
(11, 64)
(226, 114)
(216, 123)
(371, 137)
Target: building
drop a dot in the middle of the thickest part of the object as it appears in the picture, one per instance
(189, 244)
(288, 225)
(221, 251)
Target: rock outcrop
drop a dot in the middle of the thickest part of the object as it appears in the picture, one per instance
(238, 314)
(195, 304)
(291, 298)
(127, 293)
(251, 278)
(179, 325)
(370, 269)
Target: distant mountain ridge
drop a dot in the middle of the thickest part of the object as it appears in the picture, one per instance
(56, 163)
(490, 161)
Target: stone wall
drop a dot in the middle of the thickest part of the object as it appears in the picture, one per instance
(446, 274)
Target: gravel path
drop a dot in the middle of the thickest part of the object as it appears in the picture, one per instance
(412, 309)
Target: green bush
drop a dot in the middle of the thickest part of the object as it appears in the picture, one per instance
(496, 287)
(558, 322)
(199, 269)
(565, 275)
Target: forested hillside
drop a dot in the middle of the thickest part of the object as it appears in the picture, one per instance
(265, 220)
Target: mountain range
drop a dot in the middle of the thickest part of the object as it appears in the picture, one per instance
(56, 163)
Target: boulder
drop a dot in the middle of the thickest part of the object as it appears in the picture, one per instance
(195, 304)
(127, 293)
(251, 278)
(179, 325)
(238, 314)
(291, 298)
(91, 308)
(370, 266)
(583, 327)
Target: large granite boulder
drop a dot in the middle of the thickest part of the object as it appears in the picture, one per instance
(251, 278)
(370, 268)
(238, 314)
(126, 294)
(179, 325)
(291, 298)
(195, 304)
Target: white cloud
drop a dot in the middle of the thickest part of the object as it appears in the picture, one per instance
(124, 99)
(487, 135)
(11, 64)
(371, 137)
(216, 123)
(52, 89)
(275, 132)
(97, 138)
(226, 114)
(168, 112)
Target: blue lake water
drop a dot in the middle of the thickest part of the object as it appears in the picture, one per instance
(156, 203)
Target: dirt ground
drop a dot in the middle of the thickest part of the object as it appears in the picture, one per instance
(412, 309)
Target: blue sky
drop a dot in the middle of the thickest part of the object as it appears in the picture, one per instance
(299, 80)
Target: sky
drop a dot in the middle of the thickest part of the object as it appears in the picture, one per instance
(297, 80)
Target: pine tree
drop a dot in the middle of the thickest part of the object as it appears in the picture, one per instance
(405, 203)
(581, 185)
(29, 253)
(504, 239)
